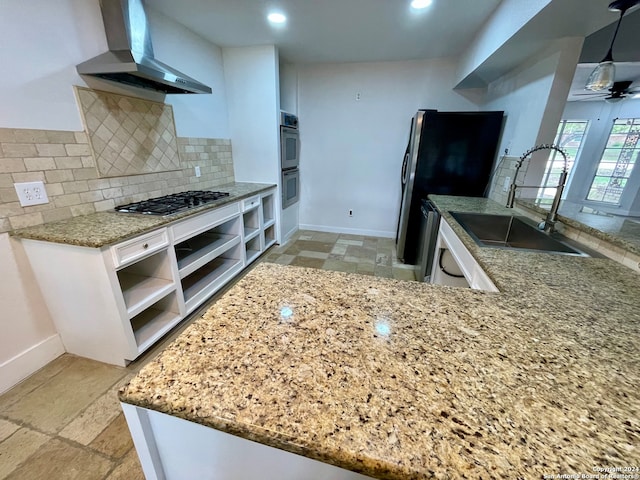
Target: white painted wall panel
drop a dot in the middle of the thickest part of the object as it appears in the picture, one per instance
(251, 76)
(42, 42)
(352, 150)
(24, 319)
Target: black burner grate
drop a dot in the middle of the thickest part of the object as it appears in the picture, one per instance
(174, 203)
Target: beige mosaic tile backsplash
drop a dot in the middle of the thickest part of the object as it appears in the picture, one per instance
(64, 162)
(127, 135)
(504, 170)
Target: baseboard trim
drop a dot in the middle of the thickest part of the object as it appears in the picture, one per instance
(351, 231)
(30, 361)
(289, 234)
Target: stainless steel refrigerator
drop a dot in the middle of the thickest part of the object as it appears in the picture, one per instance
(449, 153)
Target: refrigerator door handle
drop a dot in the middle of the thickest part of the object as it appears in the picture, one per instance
(405, 163)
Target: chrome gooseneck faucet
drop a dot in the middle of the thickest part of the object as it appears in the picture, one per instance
(552, 216)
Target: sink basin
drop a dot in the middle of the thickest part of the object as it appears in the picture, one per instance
(511, 232)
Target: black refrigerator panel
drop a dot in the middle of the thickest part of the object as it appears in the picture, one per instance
(455, 157)
(456, 153)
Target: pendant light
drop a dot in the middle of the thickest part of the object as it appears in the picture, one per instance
(603, 75)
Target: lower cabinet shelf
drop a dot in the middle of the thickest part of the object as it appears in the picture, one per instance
(252, 255)
(196, 252)
(139, 291)
(151, 324)
(209, 278)
(253, 249)
(269, 235)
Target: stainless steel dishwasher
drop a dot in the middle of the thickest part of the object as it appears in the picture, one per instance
(429, 224)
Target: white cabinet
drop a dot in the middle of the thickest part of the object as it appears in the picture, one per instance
(171, 448)
(448, 244)
(208, 254)
(109, 304)
(146, 294)
(269, 218)
(113, 303)
(258, 220)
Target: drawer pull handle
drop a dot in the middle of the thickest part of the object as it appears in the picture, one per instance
(145, 245)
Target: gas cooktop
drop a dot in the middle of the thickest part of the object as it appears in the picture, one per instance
(168, 204)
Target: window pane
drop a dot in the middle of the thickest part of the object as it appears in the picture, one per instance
(617, 161)
(569, 137)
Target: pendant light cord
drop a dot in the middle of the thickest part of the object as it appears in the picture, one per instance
(609, 56)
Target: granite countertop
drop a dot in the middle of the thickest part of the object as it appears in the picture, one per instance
(106, 228)
(404, 380)
(616, 230)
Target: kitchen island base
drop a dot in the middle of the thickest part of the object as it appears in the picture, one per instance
(173, 448)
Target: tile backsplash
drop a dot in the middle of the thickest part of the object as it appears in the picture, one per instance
(503, 171)
(63, 161)
(127, 135)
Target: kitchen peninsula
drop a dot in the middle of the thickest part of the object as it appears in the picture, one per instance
(404, 380)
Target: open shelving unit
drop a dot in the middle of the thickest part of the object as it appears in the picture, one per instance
(153, 322)
(149, 294)
(252, 249)
(206, 261)
(113, 303)
(252, 231)
(251, 221)
(269, 220)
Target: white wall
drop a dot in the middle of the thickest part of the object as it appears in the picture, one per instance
(532, 97)
(251, 76)
(253, 99)
(196, 115)
(40, 44)
(508, 18)
(289, 88)
(28, 338)
(352, 150)
(601, 116)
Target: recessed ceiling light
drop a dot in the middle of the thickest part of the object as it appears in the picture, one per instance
(277, 18)
(417, 4)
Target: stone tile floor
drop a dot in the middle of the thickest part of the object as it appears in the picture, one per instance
(343, 253)
(65, 422)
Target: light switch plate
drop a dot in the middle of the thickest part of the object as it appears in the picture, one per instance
(197, 169)
(31, 193)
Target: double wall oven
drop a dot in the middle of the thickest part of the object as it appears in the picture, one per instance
(289, 159)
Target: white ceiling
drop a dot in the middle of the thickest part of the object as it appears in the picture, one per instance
(336, 30)
(387, 30)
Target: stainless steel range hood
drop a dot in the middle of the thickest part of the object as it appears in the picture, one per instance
(130, 58)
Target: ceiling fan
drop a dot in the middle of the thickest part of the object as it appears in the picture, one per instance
(618, 91)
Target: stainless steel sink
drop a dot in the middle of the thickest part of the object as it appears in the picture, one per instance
(512, 232)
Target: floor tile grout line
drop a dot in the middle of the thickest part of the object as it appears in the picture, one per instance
(86, 448)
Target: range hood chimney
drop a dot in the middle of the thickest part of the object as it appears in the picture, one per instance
(130, 57)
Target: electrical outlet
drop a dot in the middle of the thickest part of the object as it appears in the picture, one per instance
(351, 213)
(198, 173)
(31, 193)
(507, 184)
(358, 96)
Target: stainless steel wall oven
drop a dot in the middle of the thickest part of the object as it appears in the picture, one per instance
(289, 159)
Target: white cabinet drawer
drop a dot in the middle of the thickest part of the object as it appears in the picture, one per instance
(139, 247)
(198, 224)
(251, 202)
